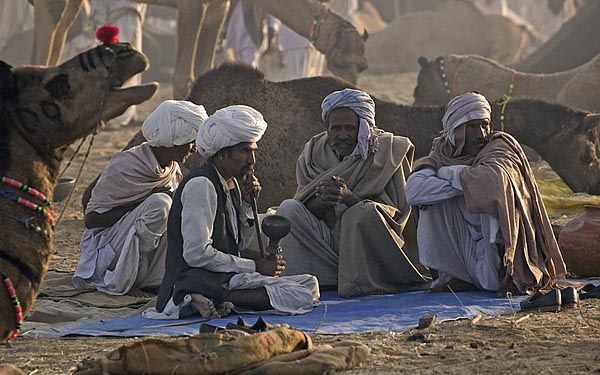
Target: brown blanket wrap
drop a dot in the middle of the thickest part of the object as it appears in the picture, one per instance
(500, 183)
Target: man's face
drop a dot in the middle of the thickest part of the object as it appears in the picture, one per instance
(240, 159)
(342, 129)
(477, 135)
(180, 153)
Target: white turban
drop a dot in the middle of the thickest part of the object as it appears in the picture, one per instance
(173, 123)
(230, 126)
(463, 108)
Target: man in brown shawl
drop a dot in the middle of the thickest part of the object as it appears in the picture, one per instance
(349, 215)
(482, 222)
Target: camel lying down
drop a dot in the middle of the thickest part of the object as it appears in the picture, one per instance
(292, 110)
(42, 111)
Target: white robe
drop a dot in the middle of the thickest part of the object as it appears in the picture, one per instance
(452, 240)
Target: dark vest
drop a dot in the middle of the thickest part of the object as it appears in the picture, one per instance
(180, 278)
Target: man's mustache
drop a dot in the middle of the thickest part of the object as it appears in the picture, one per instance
(344, 142)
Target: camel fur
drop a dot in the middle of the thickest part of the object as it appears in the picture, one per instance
(42, 110)
(574, 44)
(577, 88)
(200, 21)
(396, 48)
(292, 110)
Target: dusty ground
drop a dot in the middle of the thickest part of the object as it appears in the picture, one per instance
(545, 343)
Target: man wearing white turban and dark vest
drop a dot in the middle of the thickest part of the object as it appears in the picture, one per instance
(210, 223)
(351, 225)
(482, 222)
(123, 248)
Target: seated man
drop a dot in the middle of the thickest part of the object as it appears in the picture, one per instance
(123, 248)
(211, 222)
(482, 222)
(349, 213)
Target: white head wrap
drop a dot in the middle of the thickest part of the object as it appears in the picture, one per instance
(173, 123)
(363, 105)
(230, 126)
(463, 108)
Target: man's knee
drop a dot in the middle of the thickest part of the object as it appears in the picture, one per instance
(291, 208)
(158, 205)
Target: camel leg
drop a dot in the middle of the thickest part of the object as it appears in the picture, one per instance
(211, 27)
(190, 16)
(46, 15)
(62, 29)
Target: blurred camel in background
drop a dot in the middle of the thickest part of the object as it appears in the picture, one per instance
(199, 23)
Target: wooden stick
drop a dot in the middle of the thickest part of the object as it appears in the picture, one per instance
(261, 247)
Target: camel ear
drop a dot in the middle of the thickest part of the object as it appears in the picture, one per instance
(8, 87)
(423, 61)
(591, 121)
(365, 35)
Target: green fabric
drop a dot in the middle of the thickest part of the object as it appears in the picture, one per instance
(559, 199)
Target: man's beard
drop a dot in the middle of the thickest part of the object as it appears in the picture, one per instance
(343, 145)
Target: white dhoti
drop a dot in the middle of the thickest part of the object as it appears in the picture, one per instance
(303, 62)
(129, 254)
(288, 295)
(452, 240)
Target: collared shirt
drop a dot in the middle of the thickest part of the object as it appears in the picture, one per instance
(199, 200)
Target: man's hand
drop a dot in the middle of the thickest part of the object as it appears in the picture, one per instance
(270, 267)
(334, 190)
(249, 185)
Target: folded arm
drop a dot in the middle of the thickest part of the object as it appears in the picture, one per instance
(426, 186)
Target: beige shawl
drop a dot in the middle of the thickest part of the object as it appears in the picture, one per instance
(130, 177)
(500, 183)
(371, 178)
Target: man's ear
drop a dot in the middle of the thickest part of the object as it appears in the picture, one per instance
(8, 86)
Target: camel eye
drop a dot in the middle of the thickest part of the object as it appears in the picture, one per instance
(58, 87)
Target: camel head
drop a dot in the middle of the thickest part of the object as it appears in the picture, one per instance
(430, 86)
(581, 154)
(41, 111)
(347, 58)
(51, 107)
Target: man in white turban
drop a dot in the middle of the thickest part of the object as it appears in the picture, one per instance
(210, 223)
(123, 248)
(482, 223)
(350, 221)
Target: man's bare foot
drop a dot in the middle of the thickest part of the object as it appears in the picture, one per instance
(135, 292)
(225, 309)
(205, 306)
(454, 285)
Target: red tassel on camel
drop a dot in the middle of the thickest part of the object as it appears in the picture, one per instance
(108, 34)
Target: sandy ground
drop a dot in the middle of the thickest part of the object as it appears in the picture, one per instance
(545, 343)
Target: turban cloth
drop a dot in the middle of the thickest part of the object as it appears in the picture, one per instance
(463, 108)
(363, 105)
(173, 123)
(230, 126)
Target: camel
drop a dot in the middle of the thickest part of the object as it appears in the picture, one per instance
(292, 110)
(396, 48)
(572, 45)
(200, 21)
(576, 88)
(42, 111)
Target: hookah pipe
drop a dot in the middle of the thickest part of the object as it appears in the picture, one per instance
(274, 226)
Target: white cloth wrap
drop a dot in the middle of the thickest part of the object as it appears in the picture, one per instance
(173, 123)
(463, 108)
(230, 126)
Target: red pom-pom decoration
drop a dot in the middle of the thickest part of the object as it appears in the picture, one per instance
(108, 34)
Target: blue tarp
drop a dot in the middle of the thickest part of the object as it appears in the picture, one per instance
(334, 315)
